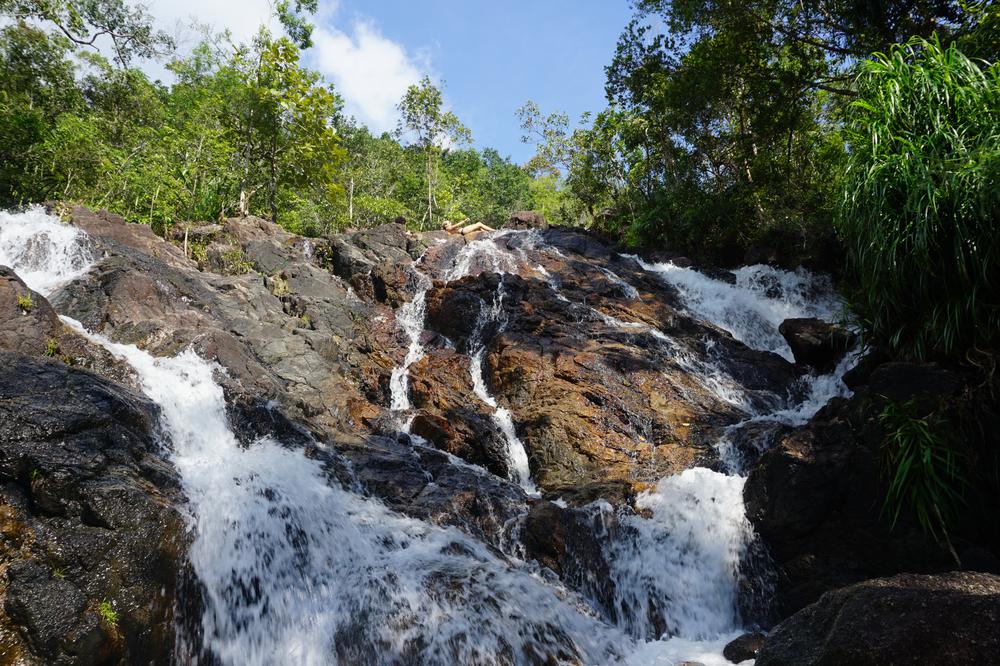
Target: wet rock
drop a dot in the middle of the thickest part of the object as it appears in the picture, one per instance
(88, 517)
(356, 256)
(426, 483)
(585, 355)
(743, 648)
(923, 382)
(36, 330)
(281, 336)
(526, 219)
(949, 618)
(564, 540)
(816, 497)
(816, 343)
(139, 236)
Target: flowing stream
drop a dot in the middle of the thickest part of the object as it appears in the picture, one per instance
(298, 569)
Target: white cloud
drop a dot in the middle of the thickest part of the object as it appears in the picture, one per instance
(370, 70)
(241, 17)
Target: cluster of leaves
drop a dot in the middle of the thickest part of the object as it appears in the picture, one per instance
(925, 469)
(724, 128)
(243, 129)
(921, 203)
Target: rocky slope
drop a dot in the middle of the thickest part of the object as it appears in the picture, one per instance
(607, 380)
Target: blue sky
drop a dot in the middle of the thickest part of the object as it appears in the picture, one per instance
(493, 56)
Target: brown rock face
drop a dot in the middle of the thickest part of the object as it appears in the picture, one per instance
(943, 619)
(577, 353)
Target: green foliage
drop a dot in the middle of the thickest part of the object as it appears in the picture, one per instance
(724, 128)
(51, 347)
(108, 615)
(422, 116)
(128, 27)
(924, 467)
(24, 302)
(921, 202)
(244, 129)
(235, 262)
(296, 25)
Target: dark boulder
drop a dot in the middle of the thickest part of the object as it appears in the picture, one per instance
(816, 343)
(743, 648)
(526, 219)
(816, 498)
(951, 618)
(92, 541)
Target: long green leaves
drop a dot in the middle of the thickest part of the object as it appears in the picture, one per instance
(921, 207)
(924, 468)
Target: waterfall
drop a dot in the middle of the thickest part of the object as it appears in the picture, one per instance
(517, 456)
(45, 253)
(410, 317)
(297, 569)
(752, 309)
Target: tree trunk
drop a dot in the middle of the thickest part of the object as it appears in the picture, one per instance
(244, 204)
(350, 203)
(430, 190)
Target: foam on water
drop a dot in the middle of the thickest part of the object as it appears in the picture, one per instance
(43, 251)
(752, 309)
(517, 455)
(298, 570)
(410, 316)
(696, 533)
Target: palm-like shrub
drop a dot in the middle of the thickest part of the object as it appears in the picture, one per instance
(921, 210)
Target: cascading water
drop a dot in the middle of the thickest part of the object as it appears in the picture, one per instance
(299, 570)
(296, 569)
(752, 309)
(45, 252)
(516, 453)
(410, 317)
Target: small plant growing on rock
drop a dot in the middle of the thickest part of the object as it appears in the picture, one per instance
(24, 302)
(35, 474)
(58, 573)
(278, 285)
(51, 347)
(924, 469)
(109, 616)
(235, 262)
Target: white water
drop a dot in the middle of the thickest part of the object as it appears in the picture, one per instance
(44, 252)
(517, 455)
(752, 309)
(298, 570)
(410, 317)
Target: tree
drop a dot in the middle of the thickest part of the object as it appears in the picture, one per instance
(423, 116)
(298, 29)
(129, 28)
(551, 136)
(282, 119)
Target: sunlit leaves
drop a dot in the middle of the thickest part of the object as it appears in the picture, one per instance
(921, 204)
